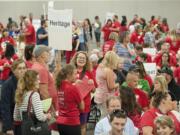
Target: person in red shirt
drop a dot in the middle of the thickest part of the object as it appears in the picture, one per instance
(6, 38)
(164, 26)
(29, 33)
(139, 52)
(123, 24)
(177, 75)
(130, 105)
(46, 84)
(141, 97)
(174, 40)
(28, 54)
(6, 62)
(69, 100)
(166, 60)
(153, 20)
(108, 45)
(116, 24)
(162, 105)
(106, 29)
(47, 88)
(82, 63)
(165, 49)
(135, 36)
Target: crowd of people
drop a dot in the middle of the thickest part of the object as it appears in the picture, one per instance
(111, 77)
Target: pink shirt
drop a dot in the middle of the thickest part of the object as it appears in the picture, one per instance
(104, 81)
(46, 78)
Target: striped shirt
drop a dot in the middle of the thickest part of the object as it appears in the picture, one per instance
(36, 107)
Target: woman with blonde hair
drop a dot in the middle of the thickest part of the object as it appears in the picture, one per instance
(164, 125)
(160, 85)
(26, 94)
(106, 78)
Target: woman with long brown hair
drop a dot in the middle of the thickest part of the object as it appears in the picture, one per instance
(84, 73)
(27, 89)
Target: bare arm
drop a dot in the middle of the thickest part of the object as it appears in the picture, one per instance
(42, 36)
(43, 90)
(147, 130)
(81, 105)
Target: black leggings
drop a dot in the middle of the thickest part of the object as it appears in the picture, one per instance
(69, 130)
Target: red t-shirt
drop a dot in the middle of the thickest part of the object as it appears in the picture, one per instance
(164, 28)
(149, 79)
(87, 99)
(141, 98)
(123, 29)
(68, 99)
(149, 116)
(30, 39)
(45, 77)
(148, 59)
(172, 61)
(28, 64)
(116, 24)
(174, 45)
(106, 32)
(136, 118)
(8, 39)
(108, 46)
(177, 74)
(134, 39)
(4, 75)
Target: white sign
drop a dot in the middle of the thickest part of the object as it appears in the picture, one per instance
(151, 51)
(50, 4)
(109, 15)
(151, 69)
(60, 29)
(36, 23)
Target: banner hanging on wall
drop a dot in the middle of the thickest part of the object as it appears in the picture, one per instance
(60, 29)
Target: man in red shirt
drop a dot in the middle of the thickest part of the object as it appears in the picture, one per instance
(29, 33)
(139, 52)
(135, 36)
(141, 97)
(47, 87)
(116, 24)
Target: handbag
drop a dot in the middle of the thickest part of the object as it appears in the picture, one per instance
(31, 125)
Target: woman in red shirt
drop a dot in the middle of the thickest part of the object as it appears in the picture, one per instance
(70, 102)
(106, 29)
(130, 105)
(6, 38)
(165, 60)
(82, 63)
(6, 62)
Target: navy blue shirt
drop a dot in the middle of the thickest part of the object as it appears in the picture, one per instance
(43, 41)
(8, 102)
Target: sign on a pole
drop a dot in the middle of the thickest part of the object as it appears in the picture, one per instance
(151, 51)
(36, 23)
(60, 29)
(151, 69)
(109, 15)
